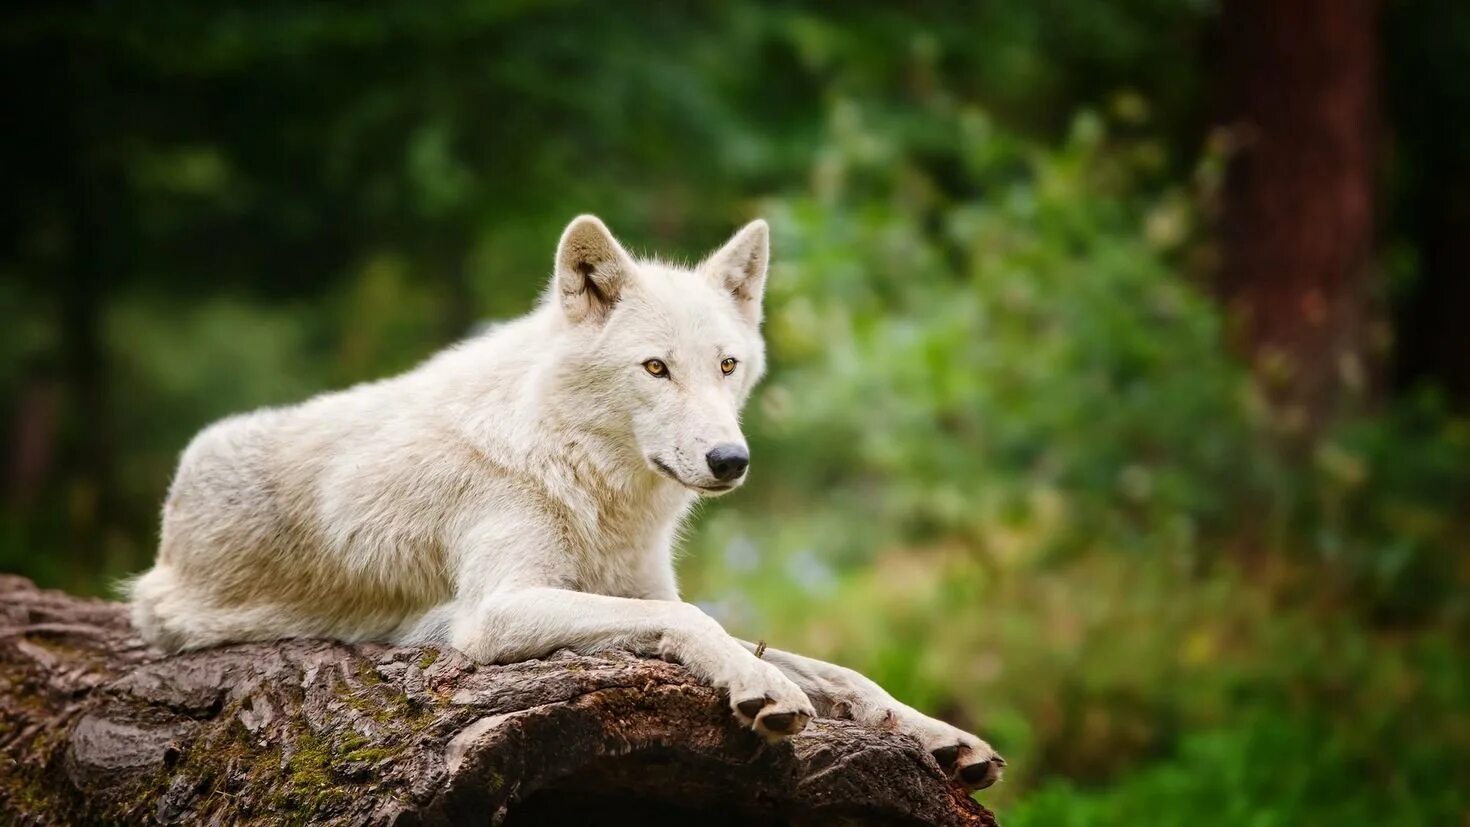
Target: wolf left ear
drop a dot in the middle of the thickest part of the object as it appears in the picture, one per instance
(591, 269)
(740, 267)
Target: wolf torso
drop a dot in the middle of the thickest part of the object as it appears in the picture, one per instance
(346, 516)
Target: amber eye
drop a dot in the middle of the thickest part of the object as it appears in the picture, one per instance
(656, 368)
(728, 366)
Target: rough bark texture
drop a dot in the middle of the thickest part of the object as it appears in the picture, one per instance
(1302, 86)
(94, 728)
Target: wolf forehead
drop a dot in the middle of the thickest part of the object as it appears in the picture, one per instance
(683, 306)
(691, 311)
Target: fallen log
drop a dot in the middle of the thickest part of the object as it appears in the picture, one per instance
(96, 728)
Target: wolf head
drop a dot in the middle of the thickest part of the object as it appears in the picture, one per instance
(664, 357)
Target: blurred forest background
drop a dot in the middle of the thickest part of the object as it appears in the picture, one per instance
(1120, 382)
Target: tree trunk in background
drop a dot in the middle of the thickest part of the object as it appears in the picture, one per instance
(1433, 342)
(89, 187)
(1428, 96)
(96, 729)
(1301, 87)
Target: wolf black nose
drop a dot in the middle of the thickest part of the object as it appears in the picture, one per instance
(728, 461)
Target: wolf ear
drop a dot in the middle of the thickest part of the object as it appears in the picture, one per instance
(591, 269)
(740, 267)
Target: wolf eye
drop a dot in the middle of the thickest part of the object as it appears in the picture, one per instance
(656, 368)
(727, 367)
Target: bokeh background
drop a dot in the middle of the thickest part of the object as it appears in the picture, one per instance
(1118, 408)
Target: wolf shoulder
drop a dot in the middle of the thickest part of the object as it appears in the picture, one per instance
(402, 453)
(478, 379)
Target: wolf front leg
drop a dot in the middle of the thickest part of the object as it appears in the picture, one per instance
(513, 625)
(839, 692)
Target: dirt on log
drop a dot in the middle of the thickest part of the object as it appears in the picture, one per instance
(97, 728)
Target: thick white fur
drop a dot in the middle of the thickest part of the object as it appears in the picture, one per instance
(517, 493)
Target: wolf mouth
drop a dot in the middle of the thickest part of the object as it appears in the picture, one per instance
(669, 472)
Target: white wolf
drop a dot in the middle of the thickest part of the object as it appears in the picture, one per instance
(517, 493)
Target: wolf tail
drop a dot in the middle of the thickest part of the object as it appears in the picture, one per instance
(145, 594)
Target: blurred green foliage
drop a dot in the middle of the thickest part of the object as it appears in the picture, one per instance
(1019, 479)
(1004, 462)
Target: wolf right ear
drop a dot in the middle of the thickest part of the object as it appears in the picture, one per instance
(591, 269)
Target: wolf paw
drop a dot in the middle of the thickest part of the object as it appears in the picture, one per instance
(771, 705)
(968, 760)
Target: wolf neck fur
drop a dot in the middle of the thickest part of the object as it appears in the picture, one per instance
(588, 453)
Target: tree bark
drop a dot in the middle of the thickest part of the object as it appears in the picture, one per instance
(1301, 86)
(96, 728)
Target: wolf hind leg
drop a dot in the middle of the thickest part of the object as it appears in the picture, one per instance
(175, 616)
(171, 615)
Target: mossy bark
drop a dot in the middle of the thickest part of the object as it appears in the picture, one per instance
(96, 728)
